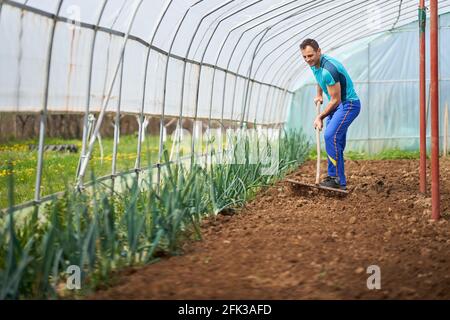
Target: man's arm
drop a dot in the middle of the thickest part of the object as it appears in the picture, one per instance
(335, 100)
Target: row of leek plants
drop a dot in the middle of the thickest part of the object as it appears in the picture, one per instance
(105, 231)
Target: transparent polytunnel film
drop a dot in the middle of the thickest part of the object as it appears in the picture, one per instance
(226, 63)
(385, 72)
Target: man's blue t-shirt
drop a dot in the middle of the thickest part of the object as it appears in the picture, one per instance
(332, 71)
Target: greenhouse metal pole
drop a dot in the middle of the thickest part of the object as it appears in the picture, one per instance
(217, 59)
(137, 165)
(89, 82)
(434, 57)
(216, 9)
(108, 97)
(247, 87)
(278, 34)
(43, 120)
(264, 32)
(240, 37)
(284, 70)
(288, 66)
(214, 69)
(161, 122)
(117, 130)
(422, 97)
(279, 56)
(87, 128)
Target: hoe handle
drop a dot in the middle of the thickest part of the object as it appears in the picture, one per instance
(318, 147)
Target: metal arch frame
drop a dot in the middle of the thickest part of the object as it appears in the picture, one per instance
(2, 1)
(399, 14)
(89, 84)
(297, 33)
(249, 45)
(404, 19)
(202, 63)
(278, 57)
(207, 46)
(300, 32)
(137, 165)
(240, 37)
(365, 35)
(284, 66)
(116, 33)
(105, 105)
(223, 45)
(117, 129)
(161, 124)
(256, 50)
(246, 91)
(289, 77)
(117, 122)
(215, 22)
(373, 33)
(43, 120)
(285, 30)
(302, 65)
(386, 30)
(218, 8)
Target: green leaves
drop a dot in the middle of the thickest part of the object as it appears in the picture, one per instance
(101, 231)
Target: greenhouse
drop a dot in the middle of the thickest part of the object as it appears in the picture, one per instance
(182, 138)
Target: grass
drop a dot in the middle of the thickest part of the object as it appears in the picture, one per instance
(59, 168)
(383, 155)
(102, 232)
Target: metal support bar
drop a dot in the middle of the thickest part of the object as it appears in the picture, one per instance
(434, 57)
(356, 26)
(43, 119)
(161, 125)
(117, 128)
(137, 165)
(105, 105)
(89, 87)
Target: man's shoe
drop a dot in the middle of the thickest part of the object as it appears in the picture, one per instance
(332, 182)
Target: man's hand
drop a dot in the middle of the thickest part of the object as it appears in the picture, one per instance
(318, 99)
(318, 123)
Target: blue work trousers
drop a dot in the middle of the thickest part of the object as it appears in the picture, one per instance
(336, 135)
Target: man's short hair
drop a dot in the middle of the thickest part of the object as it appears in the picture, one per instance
(309, 42)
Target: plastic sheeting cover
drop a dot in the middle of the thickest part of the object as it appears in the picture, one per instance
(385, 71)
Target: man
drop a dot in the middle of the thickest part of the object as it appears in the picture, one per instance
(343, 107)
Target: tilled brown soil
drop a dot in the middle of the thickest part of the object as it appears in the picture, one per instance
(288, 244)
